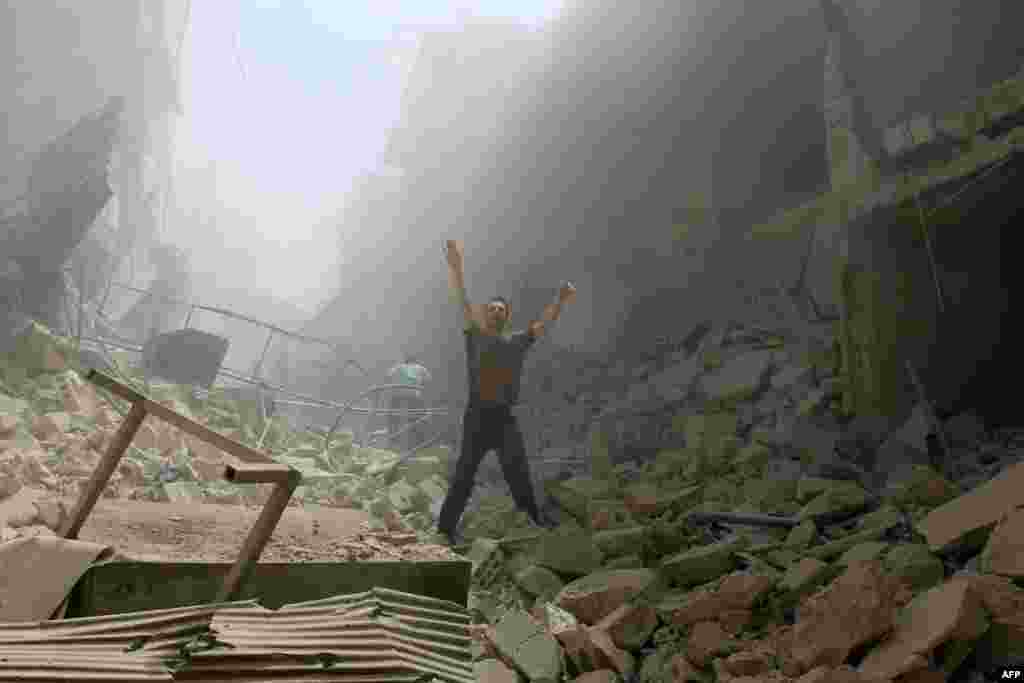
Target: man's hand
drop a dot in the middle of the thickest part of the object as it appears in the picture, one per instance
(567, 293)
(453, 252)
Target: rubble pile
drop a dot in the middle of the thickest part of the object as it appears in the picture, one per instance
(54, 426)
(780, 540)
(776, 539)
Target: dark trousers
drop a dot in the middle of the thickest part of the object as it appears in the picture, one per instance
(485, 428)
(397, 421)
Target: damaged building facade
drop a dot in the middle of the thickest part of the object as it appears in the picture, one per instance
(86, 155)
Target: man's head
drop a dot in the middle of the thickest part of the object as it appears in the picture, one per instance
(498, 313)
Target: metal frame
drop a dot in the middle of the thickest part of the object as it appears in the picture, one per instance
(263, 470)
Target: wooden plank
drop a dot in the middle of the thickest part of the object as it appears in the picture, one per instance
(230, 446)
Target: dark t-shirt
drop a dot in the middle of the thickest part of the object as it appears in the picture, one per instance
(495, 364)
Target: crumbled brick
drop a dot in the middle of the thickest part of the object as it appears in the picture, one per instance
(951, 611)
(1004, 553)
(707, 640)
(630, 625)
(747, 663)
(854, 609)
(976, 510)
(594, 597)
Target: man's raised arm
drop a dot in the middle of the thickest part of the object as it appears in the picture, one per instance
(553, 310)
(457, 278)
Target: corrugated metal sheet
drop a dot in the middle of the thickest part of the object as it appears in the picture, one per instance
(380, 635)
(121, 647)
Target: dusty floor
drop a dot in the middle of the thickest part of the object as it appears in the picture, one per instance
(215, 533)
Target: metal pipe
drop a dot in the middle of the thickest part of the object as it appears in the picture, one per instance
(285, 480)
(231, 314)
(104, 469)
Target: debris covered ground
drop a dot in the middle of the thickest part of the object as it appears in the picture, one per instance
(782, 540)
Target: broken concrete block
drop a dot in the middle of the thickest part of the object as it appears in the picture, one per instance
(873, 532)
(915, 564)
(594, 597)
(924, 486)
(573, 495)
(738, 379)
(702, 564)
(630, 625)
(525, 643)
(842, 497)
(572, 553)
(769, 495)
(976, 511)
(853, 610)
(808, 488)
(950, 612)
(804, 577)
(620, 542)
(802, 535)
(487, 559)
(864, 552)
(625, 562)
(1004, 553)
(539, 581)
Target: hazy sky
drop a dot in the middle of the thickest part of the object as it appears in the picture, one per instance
(285, 102)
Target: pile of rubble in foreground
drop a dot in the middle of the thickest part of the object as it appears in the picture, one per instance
(643, 592)
(783, 541)
(777, 540)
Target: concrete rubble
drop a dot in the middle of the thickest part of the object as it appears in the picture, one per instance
(762, 537)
